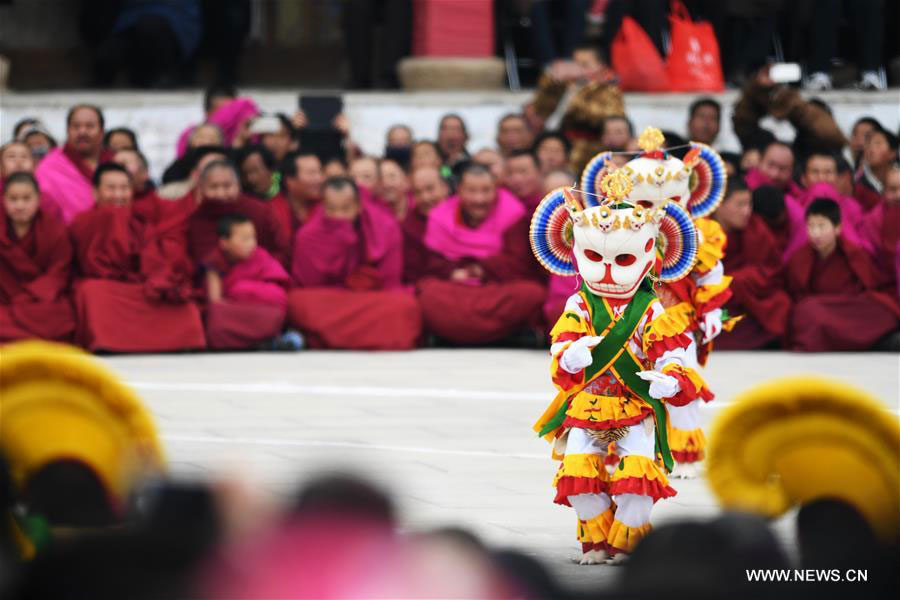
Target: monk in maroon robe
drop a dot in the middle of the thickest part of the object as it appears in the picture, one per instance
(393, 192)
(837, 305)
(753, 259)
(219, 194)
(65, 173)
(348, 260)
(482, 281)
(246, 289)
(429, 190)
(523, 178)
(35, 267)
(144, 201)
(880, 228)
(135, 285)
(301, 194)
(16, 157)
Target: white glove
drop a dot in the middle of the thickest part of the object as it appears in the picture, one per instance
(712, 325)
(661, 386)
(578, 355)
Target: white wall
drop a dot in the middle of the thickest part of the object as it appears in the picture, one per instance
(159, 117)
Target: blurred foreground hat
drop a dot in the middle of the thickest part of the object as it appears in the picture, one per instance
(796, 440)
(58, 403)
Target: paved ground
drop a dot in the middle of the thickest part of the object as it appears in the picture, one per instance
(448, 431)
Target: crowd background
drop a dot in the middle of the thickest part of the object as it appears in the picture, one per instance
(423, 258)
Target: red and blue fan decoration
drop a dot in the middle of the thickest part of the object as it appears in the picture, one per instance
(677, 243)
(551, 234)
(590, 178)
(708, 180)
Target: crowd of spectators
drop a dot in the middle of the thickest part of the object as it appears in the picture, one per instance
(260, 237)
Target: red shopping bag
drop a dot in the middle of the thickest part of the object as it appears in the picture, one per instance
(636, 60)
(693, 64)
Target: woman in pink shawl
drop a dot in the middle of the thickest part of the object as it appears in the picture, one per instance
(246, 288)
(230, 118)
(482, 282)
(348, 260)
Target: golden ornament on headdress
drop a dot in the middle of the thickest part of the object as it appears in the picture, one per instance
(571, 203)
(616, 185)
(651, 139)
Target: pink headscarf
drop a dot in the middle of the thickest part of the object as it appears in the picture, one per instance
(447, 235)
(228, 117)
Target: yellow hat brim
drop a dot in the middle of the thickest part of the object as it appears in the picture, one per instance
(795, 440)
(57, 402)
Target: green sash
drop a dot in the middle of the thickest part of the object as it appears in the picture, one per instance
(612, 352)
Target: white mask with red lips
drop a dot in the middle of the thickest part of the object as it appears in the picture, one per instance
(615, 248)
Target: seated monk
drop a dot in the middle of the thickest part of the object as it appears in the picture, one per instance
(782, 217)
(218, 194)
(753, 259)
(246, 289)
(65, 173)
(301, 193)
(16, 157)
(523, 178)
(880, 228)
(144, 200)
(879, 153)
(429, 190)
(482, 282)
(834, 285)
(559, 288)
(349, 261)
(35, 267)
(393, 189)
(133, 295)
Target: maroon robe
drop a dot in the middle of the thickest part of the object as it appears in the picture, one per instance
(351, 294)
(837, 305)
(415, 254)
(867, 196)
(35, 273)
(754, 261)
(204, 219)
(135, 287)
(508, 298)
(287, 221)
(880, 228)
(254, 303)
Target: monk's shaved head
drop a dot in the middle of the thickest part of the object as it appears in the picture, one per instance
(219, 182)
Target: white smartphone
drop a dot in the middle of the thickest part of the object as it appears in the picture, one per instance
(265, 124)
(784, 72)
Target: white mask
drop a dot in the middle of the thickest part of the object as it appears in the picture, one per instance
(614, 249)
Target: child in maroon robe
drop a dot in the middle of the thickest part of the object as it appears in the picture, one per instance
(835, 289)
(35, 267)
(348, 260)
(134, 290)
(246, 289)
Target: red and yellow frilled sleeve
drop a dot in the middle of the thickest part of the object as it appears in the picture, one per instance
(575, 322)
(712, 285)
(665, 343)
